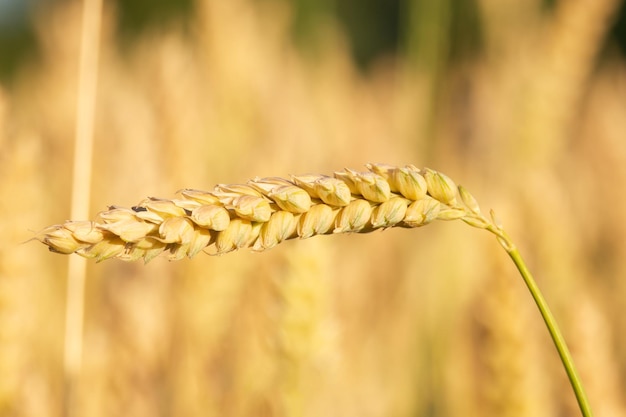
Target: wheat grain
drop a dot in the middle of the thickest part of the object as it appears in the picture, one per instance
(267, 211)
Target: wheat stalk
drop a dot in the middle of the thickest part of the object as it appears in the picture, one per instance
(267, 211)
(81, 187)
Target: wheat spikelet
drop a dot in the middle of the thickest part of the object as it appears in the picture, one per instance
(267, 211)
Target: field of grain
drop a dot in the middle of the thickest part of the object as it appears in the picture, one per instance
(431, 322)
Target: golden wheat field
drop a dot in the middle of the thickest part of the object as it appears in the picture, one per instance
(431, 322)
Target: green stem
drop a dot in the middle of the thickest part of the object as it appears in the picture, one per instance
(553, 328)
(473, 217)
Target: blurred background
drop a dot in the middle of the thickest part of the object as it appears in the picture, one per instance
(521, 101)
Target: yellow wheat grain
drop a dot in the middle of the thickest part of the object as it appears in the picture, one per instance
(267, 211)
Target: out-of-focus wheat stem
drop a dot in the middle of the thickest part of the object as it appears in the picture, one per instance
(81, 186)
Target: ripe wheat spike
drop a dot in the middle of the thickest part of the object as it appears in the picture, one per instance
(266, 211)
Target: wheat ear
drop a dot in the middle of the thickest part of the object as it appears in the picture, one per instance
(266, 211)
